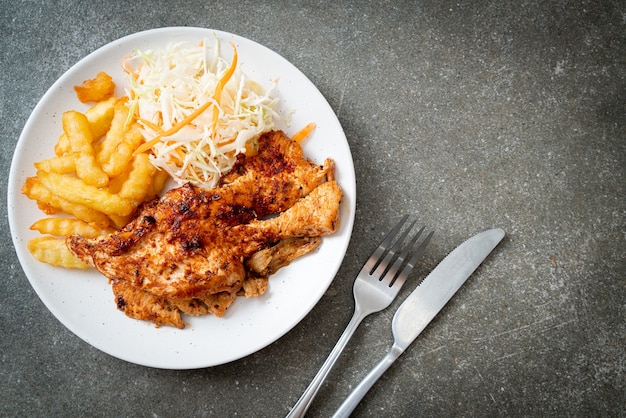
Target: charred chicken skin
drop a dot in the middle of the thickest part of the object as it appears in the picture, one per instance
(193, 250)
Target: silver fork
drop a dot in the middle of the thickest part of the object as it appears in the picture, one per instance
(375, 287)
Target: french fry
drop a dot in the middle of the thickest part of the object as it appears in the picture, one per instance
(141, 183)
(33, 189)
(47, 208)
(158, 182)
(75, 190)
(120, 221)
(115, 134)
(88, 171)
(62, 146)
(53, 251)
(99, 116)
(65, 164)
(97, 177)
(99, 88)
(119, 160)
(64, 227)
(77, 129)
(137, 185)
(115, 185)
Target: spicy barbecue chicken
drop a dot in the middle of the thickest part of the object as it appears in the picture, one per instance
(194, 250)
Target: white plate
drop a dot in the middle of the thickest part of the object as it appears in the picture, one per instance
(83, 301)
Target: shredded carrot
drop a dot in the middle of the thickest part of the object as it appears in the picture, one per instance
(226, 142)
(217, 95)
(147, 145)
(304, 132)
(126, 67)
(186, 121)
(178, 157)
(149, 124)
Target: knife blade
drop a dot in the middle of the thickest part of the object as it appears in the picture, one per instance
(424, 303)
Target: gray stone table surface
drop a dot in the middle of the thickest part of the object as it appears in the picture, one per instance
(468, 114)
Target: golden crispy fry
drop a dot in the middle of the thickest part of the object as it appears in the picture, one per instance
(33, 189)
(88, 171)
(115, 184)
(75, 190)
(47, 208)
(95, 176)
(158, 182)
(77, 129)
(99, 116)
(154, 189)
(137, 185)
(99, 88)
(62, 146)
(120, 221)
(121, 157)
(115, 134)
(65, 164)
(63, 227)
(54, 251)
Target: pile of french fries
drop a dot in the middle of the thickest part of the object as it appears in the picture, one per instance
(96, 180)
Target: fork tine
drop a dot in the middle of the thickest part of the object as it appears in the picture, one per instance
(374, 260)
(392, 252)
(416, 255)
(392, 273)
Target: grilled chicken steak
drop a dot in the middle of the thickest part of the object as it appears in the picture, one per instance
(195, 249)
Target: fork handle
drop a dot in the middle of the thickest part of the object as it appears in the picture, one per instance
(366, 384)
(300, 408)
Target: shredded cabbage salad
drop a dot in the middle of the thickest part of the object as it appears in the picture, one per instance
(198, 111)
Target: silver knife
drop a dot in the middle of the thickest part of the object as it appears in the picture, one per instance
(424, 303)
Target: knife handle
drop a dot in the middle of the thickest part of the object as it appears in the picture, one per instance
(366, 384)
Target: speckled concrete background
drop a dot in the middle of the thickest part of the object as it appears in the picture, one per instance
(470, 114)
